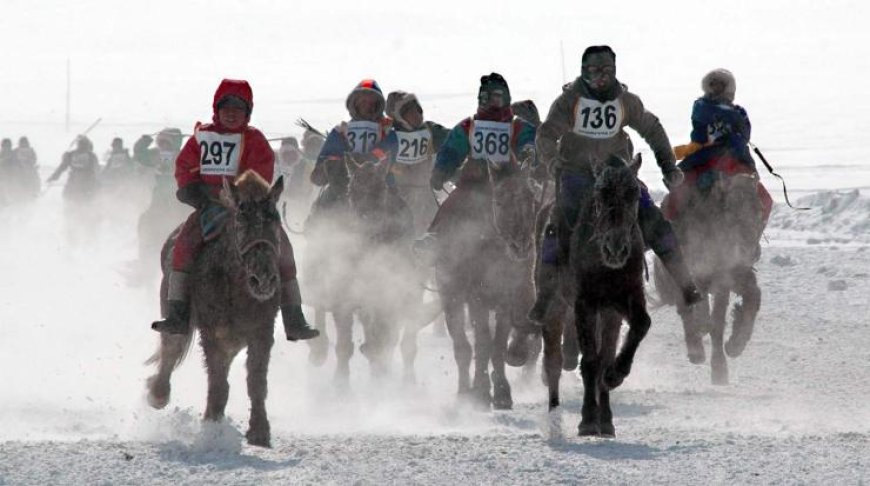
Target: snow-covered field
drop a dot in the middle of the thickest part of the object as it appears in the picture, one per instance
(74, 335)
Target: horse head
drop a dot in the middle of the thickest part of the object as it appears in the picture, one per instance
(615, 200)
(513, 207)
(367, 190)
(253, 231)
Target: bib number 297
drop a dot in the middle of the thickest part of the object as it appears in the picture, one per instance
(216, 152)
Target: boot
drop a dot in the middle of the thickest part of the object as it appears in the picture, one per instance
(547, 275)
(676, 266)
(178, 319)
(295, 325)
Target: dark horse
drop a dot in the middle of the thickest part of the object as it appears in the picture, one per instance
(234, 301)
(604, 282)
(473, 269)
(719, 231)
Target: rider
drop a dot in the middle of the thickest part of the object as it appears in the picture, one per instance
(585, 127)
(83, 165)
(199, 184)
(412, 145)
(719, 142)
(361, 138)
(118, 159)
(24, 153)
(492, 135)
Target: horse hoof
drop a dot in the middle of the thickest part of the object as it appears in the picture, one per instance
(158, 393)
(570, 362)
(608, 430)
(259, 439)
(613, 378)
(719, 377)
(734, 349)
(517, 353)
(588, 429)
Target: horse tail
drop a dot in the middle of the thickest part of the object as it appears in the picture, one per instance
(665, 289)
(172, 348)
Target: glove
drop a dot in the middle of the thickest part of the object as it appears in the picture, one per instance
(673, 178)
(437, 180)
(211, 220)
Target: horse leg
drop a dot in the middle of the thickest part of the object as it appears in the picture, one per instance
(408, 347)
(317, 348)
(590, 368)
(691, 330)
(481, 385)
(611, 324)
(553, 359)
(172, 347)
(744, 313)
(217, 363)
(259, 351)
(570, 341)
(638, 326)
(454, 316)
(343, 345)
(718, 363)
(502, 399)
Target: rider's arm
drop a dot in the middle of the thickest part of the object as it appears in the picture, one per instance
(453, 152)
(187, 166)
(333, 149)
(558, 123)
(258, 155)
(64, 165)
(650, 129)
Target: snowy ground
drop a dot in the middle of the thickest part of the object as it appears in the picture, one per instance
(72, 409)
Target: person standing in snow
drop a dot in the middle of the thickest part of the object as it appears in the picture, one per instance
(199, 183)
(585, 126)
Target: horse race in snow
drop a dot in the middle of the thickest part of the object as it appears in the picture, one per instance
(468, 244)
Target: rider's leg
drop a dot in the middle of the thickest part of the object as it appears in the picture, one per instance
(571, 189)
(187, 245)
(295, 326)
(659, 235)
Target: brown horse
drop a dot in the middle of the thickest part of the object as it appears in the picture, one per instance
(719, 231)
(234, 301)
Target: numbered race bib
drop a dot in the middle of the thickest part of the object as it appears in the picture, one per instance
(219, 153)
(596, 119)
(491, 141)
(363, 135)
(414, 147)
(80, 161)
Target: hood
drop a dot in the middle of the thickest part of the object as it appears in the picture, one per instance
(528, 111)
(366, 85)
(726, 85)
(396, 102)
(233, 87)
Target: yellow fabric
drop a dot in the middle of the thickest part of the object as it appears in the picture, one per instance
(683, 151)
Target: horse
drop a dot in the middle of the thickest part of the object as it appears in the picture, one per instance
(602, 284)
(388, 285)
(473, 269)
(234, 299)
(719, 231)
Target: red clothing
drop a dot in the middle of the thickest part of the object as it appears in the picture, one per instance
(676, 199)
(215, 152)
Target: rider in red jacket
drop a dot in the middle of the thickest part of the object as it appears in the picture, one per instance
(227, 147)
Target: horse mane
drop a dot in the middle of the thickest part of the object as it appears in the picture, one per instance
(251, 187)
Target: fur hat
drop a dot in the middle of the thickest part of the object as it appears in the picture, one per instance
(719, 85)
(365, 86)
(397, 101)
(491, 83)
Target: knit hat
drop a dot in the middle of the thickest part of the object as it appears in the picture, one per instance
(491, 84)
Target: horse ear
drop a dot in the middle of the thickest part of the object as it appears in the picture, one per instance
(635, 163)
(277, 189)
(229, 195)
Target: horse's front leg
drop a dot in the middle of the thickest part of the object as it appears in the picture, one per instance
(481, 385)
(454, 316)
(553, 359)
(217, 363)
(502, 399)
(746, 285)
(590, 367)
(172, 347)
(343, 319)
(695, 318)
(638, 326)
(718, 362)
(318, 348)
(259, 351)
